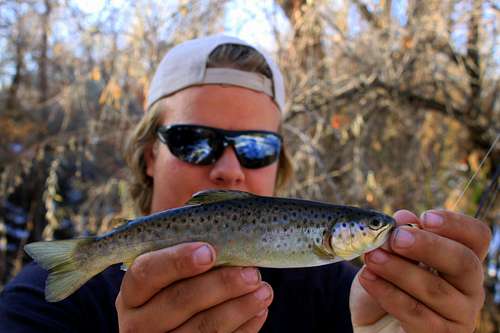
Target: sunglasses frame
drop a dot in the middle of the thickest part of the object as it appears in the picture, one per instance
(229, 138)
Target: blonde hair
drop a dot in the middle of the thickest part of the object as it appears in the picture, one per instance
(143, 135)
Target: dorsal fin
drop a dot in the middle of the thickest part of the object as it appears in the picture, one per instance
(112, 224)
(117, 222)
(210, 196)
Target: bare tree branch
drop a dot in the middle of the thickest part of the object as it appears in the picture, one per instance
(368, 15)
(472, 62)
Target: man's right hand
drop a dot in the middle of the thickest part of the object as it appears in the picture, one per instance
(174, 289)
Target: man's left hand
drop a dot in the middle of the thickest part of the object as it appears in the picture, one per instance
(397, 278)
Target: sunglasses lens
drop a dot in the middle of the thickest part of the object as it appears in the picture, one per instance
(257, 150)
(194, 145)
(204, 145)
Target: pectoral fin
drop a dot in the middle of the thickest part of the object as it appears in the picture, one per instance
(322, 253)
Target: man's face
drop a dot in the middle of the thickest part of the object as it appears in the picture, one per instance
(225, 107)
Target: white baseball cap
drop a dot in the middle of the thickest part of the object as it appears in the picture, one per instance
(185, 65)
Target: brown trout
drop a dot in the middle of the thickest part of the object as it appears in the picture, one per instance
(245, 230)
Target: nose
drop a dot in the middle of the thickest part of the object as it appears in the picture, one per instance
(227, 171)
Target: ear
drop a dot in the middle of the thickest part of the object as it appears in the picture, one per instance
(150, 158)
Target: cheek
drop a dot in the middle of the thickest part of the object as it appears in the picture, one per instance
(172, 171)
(174, 181)
(262, 181)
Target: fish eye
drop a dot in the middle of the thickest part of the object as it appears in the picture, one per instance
(375, 224)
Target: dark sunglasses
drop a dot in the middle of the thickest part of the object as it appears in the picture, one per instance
(202, 145)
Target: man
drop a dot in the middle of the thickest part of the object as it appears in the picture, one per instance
(223, 83)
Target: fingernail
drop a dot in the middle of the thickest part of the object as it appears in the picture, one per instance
(250, 275)
(203, 255)
(263, 293)
(261, 313)
(378, 257)
(403, 238)
(432, 220)
(366, 274)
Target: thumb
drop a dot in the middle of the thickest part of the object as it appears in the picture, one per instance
(364, 308)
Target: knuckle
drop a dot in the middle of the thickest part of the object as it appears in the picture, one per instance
(481, 277)
(416, 309)
(429, 243)
(433, 240)
(126, 322)
(247, 329)
(207, 324)
(485, 233)
(140, 269)
(482, 298)
(447, 329)
(469, 262)
(438, 289)
(227, 278)
(182, 264)
(127, 328)
(119, 303)
(271, 291)
(128, 325)
(438, 325)
(179, 296)
(390, 292)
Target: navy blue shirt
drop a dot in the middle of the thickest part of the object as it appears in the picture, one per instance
(305, 300)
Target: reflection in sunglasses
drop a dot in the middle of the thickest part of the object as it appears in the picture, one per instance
(202, 145)
(199, 151)
(256, 146)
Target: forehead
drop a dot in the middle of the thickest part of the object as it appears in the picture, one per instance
(227, 107)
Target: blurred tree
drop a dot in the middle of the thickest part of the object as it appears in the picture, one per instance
(43, 58)
(392, 104)
(65, 83)
(392, 70)
(406, 109)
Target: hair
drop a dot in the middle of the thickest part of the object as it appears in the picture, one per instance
(144, 137)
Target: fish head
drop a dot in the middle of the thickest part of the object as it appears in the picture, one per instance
(358, 233)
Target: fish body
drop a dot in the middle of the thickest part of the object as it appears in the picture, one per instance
(245, 230)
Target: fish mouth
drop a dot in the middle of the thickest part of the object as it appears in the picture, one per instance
(381, 237)
(385, 231)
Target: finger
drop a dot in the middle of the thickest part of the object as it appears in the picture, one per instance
(402, 217)
(254, 324)
(456, 262)
(186, 298)
(155, 270)
(467, 230)
(413, 315)
(430, 289)
(364, 309)
(230, 315)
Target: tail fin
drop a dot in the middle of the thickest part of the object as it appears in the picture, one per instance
(66, 274)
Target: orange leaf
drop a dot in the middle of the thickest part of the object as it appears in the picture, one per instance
(337, 121)
(95, 74)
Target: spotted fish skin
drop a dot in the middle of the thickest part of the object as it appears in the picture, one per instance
(245, 230)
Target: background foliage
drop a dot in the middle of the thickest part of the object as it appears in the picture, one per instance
(392, 104)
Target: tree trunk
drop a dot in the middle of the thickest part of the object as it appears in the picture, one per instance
(43, 84)
(387, 6)
(308, 35)
(472, 63)
(12, 103)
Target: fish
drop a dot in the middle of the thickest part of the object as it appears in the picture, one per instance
(245, 229)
